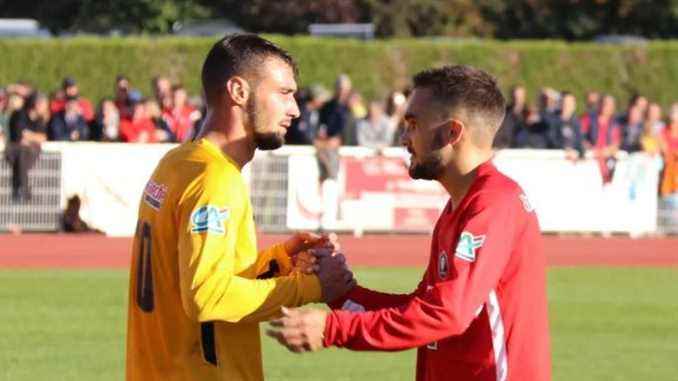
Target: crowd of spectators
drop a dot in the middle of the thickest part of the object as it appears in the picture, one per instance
(29, 117)
(330, 120)
(601, 130)
(127, 116)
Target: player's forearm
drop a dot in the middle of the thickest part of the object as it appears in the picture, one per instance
(276, 252)
(252, 300)
(369, 300)
(418, 323)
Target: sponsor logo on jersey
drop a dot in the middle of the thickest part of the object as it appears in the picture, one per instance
(443, 265)
(467, 246)
(154, 194)
(526, 203)
(432, 346)
(209, 219)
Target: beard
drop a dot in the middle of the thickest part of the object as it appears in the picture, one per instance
(430, 168)
(268, 141)
(265, 141)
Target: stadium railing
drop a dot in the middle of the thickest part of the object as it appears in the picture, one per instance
(373, 192)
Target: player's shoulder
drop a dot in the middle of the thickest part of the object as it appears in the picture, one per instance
(493, 183)
(189, 170)
(493, 188)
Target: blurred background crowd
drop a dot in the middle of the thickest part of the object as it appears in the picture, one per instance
(342, 117)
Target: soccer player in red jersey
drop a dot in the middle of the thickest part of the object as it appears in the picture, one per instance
(480, 311)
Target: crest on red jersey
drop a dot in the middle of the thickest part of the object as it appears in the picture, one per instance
(443, 265)
(468, 245)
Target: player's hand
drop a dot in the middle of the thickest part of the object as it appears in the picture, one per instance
(303, 241)
(335, 277)
(297, 247)
(304, 262)
(299, 330)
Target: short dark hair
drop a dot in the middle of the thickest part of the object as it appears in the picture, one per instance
(465, 87)
(235, 55)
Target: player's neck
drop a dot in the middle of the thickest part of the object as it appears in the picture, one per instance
(459, 175)
(233, 142)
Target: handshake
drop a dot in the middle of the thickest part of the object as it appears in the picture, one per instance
(320, 255)
(302, 330)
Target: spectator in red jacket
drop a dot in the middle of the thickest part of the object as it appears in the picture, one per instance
(70, 90)
(182, 116)
(139, 128)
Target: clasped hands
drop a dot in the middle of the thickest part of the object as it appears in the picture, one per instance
(302, 330)
(319, 254)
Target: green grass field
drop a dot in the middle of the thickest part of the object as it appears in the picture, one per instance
(606, 324)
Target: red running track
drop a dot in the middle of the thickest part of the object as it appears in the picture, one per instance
(96, 251)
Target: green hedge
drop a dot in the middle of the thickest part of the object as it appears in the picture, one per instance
(375, 66)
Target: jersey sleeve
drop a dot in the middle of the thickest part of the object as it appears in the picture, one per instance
(364, 299)
(274, 254)
(447, 307)
(209, 218)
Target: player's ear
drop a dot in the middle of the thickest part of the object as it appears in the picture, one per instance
(238, 90)
(455, 130)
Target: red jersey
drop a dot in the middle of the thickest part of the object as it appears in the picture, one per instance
(58, 105)
(180, 122)
(480, 312)
(132, 130)
(670, 139)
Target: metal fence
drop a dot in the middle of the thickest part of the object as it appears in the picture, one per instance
(43, 211)
(667, 215)
(268, 189)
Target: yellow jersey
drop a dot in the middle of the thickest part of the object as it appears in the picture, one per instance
(195, 302)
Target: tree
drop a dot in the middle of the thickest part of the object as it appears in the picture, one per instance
(289, 17)
(403, 18)
(571, 19)
(101, 16)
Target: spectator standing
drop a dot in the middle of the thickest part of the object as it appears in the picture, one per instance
(669, 184)
(304, 128)
(107, 124)
(334, 116)
(637, 101)
(514, 121)
(27, 131)
(69, 91)
(122, 100)
(377, 129)
(162, 89)
(395, 109)
(182, 116)
(69, 124)
(358, 111)
(4, 119)
(565, 131)
(533, 133)
(140, 128)
(592, 102)
(650, 142)
(14, 102)
(632, 129)
(163, 133)
(602, 136)
(654, 117)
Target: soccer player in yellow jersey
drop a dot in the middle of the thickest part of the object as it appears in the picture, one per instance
(196, 293)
